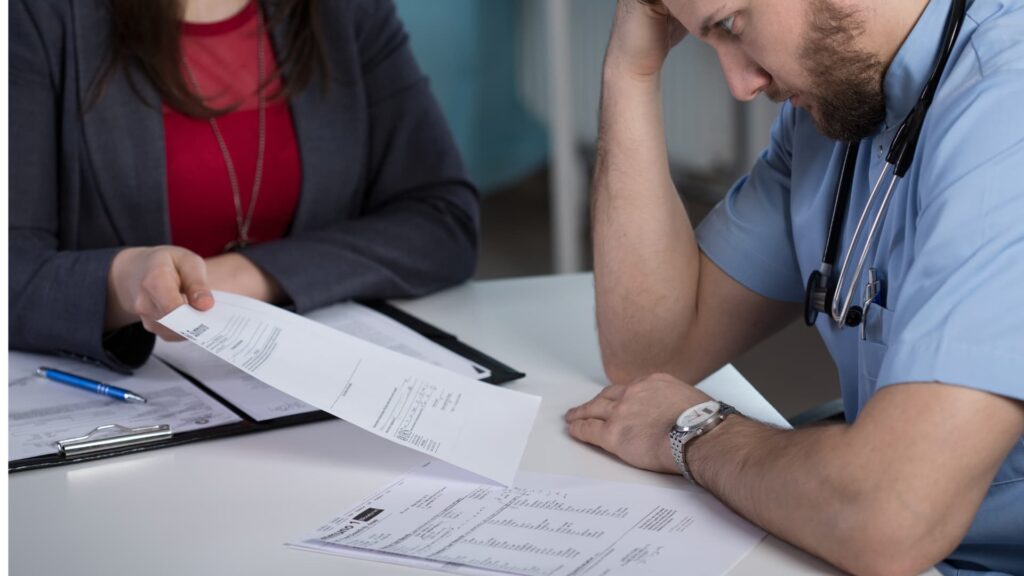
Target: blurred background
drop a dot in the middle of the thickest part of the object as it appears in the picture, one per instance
(520, 84)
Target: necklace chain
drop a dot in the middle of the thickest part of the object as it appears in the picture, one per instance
(243, 222)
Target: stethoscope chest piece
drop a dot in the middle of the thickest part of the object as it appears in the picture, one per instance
(817, 298)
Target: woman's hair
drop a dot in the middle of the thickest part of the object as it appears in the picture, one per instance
(145, 36)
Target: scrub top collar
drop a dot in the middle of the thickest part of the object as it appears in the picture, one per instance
(914, 61)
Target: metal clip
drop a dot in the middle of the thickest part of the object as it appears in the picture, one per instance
(101, 439)
(871, 292)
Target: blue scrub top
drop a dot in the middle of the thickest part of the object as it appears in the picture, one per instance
(950, 254)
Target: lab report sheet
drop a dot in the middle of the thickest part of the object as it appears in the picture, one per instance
(546, 525)
(262, 402)
(475, 426)
(42, 412)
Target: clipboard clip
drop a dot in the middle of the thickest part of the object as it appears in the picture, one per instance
(112, 436)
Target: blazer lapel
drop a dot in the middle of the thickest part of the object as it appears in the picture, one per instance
(320, 118)
(325, 171)
(123, 137)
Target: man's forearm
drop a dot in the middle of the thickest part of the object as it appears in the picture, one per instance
(893, 493)
(807, 487)
(646, 259)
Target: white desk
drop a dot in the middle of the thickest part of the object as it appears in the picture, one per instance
(226, 506)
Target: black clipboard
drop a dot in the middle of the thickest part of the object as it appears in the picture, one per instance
(500, 372)
(138, 440)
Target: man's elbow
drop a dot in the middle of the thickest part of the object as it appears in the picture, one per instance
(618, 373)
(622, 368)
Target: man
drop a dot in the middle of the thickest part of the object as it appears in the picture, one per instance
(930, 466)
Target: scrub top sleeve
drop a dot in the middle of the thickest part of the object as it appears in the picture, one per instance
(749, 233)
(958, 318)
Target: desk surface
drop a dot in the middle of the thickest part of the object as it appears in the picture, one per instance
(227, 506)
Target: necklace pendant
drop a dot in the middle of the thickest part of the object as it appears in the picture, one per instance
(236, 244)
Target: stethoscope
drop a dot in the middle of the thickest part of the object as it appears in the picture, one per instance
(821, 292)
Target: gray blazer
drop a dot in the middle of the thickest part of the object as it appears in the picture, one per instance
(385, 209)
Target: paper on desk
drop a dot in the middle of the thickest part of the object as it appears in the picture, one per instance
(475, 426)
(547, 525)
(728, 385)
(260, 401)
(357, 320)
(42, 412)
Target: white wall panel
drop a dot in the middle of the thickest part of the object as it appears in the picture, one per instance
(700, 114)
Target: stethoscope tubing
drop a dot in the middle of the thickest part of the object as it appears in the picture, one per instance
(841, 301)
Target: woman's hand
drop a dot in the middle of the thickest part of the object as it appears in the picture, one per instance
(642, 36)
(233, 272)
(148, 283)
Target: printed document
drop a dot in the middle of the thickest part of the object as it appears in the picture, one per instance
(42, 412)
(475, 426)
(262, 402)
(366, 323)
(438, 518)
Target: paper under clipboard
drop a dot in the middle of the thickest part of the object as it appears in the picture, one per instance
(51, 424)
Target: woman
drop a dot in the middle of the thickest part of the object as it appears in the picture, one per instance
(288, 150)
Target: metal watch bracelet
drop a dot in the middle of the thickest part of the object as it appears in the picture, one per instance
(680, 441)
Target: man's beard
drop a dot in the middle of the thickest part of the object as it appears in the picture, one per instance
(846, 99)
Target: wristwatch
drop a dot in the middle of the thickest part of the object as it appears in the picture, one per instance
(693, 423)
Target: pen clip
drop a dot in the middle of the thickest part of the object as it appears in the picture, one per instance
(872, 291)
(112, 436)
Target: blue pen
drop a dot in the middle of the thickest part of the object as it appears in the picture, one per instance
(90, 385)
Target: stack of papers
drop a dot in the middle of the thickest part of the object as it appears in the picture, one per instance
(42, 412)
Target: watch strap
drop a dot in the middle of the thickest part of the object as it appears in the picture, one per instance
(675, 438)
(680, 440)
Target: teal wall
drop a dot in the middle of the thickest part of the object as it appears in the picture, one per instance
(469, 50)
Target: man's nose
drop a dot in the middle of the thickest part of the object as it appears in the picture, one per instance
(745, 77)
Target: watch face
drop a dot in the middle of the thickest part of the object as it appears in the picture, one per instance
(698, 414)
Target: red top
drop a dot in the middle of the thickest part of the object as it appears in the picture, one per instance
(223, 56)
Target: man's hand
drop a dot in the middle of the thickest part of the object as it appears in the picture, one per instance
(148, 283)
(633, 421)
(642, 36)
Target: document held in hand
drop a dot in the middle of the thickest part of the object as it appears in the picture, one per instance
(475, 426)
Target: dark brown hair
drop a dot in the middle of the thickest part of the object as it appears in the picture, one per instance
(144, 36)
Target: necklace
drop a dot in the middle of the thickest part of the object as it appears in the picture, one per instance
(243, 222)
